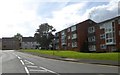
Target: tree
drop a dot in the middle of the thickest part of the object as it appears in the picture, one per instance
(44, 35)
(18, 38)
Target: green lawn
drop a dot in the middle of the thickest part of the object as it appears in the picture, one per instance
(78, 55)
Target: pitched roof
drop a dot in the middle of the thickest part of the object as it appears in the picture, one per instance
(117, 17)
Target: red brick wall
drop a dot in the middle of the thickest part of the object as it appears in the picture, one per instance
(117, 29)
(82, 31)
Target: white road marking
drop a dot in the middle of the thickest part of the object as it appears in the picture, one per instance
(19, 57)
(32, 66)
(28, 62)
(49, 70)
(37, 70)
(27, 71)
(22, 62)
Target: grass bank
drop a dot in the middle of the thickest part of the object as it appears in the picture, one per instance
(78, 55)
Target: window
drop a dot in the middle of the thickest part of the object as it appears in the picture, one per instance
(103, 46)
(118, 21)
(74, 44)
(73, 28)
(109, 35)
(68, 37)
(91, 39)
(68, 30)
(74, 36)
(92, 48)
(109, 40)
(57, 34)
(63, 33)
(91, 29)
(102, 36)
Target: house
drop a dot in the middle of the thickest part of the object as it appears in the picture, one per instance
(10, 43)
(29, 43)
(0, 44)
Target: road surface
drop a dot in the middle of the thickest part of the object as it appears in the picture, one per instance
(22, 63)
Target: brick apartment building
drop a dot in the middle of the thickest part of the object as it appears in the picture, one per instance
(108, 35)
(90, 36)
(74, 37)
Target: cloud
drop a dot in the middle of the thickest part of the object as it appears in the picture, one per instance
(18, 16)
(104, 12)
(78, 12)
(24, 16)
(66, 16)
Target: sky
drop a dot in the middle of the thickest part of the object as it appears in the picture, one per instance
(25, 16)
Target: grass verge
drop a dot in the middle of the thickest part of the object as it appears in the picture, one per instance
(78, 55)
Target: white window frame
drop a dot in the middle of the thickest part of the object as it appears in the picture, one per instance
(73, 28)
(74, 36)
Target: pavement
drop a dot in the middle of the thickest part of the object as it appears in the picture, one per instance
(89, 61)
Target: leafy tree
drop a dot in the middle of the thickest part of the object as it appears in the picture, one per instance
(18, 36)
(44, 35)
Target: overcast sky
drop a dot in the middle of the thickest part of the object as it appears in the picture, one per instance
(24, 16)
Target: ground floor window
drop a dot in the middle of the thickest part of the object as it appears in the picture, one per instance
(92, 47)
(103, 46)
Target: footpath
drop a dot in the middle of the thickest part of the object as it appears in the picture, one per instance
(89, 61)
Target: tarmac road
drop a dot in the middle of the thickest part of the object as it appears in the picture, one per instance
(22, 63)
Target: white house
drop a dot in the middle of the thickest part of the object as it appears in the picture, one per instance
(28, 43)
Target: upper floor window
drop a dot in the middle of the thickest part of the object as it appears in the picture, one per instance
(109, 35)
(102, 36)
(68, 37)
(91, 29)
(74, 36)
(118, 21)
(109, 40)
(73, 28)
(57, 34)
(91, 39)
(63, 33)
(68, 30)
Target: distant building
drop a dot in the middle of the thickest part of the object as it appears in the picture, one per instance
(29, 43)
(0, 44)
(10, 43)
